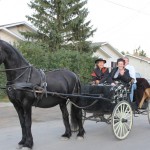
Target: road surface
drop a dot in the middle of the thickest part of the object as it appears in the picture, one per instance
(47, 128)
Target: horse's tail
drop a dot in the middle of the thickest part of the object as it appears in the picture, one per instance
(76, 113)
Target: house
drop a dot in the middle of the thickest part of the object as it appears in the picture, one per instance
(107, 52)
(11, 32)
(141, 64)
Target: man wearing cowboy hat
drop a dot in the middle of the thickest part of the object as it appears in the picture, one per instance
(100, 73)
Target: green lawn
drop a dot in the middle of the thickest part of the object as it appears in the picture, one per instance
(4, 99)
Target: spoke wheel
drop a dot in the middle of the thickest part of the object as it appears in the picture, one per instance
(122, 120)
(148, 111)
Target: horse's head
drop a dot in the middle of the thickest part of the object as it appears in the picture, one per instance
(11, 57)
(9, 54)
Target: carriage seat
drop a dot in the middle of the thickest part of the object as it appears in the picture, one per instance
(119, 92)
(96, 90)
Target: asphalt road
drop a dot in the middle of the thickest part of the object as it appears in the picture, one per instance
(48, 126)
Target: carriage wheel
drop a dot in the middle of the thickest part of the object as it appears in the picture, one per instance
(122, 120)
(148, 111)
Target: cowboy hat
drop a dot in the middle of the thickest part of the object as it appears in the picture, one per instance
(100, 59)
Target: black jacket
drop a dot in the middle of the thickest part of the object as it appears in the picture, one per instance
(100, 75)
(123, 78)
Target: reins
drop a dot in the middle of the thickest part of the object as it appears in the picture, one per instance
(83, 107)
(67, 97)
(13, 69)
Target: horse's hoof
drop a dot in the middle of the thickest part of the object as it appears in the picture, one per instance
(80, 137)
(19, 146)
(64, 138)
(26, 148)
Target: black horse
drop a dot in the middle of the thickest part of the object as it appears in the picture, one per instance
(21, 76)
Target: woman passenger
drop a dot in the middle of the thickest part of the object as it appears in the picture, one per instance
(100, 73)
(120, 73)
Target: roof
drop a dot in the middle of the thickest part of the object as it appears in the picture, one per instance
(12, 34)
(146, 59)
(17, 24)
(7, 26)
(100, 44)
(143, 57)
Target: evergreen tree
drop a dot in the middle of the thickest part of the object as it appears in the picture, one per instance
(142, 53)
(139, 52)
(122, 52)
(60, 24)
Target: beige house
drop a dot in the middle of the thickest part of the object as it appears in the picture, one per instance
(141, 64)
(11, 32)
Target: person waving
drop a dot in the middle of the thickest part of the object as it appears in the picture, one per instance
(120, 73)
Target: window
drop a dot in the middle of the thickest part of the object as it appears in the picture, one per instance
(113, 64)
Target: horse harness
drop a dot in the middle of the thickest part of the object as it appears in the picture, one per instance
(38, 90)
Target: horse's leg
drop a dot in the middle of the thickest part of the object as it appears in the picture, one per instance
(76, 117)
(20, 112)
(80, 123)
(27, 106)
(65, 116)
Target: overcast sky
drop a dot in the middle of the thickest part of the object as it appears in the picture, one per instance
(125, 24)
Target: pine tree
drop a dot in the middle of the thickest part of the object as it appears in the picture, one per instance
(142, 53)
(139, 52)
(60, 24)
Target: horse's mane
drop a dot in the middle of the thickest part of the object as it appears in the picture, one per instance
(4, 45)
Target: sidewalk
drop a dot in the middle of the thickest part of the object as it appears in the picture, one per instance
(5, 104)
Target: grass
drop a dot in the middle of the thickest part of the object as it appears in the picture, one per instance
(3, 96)
(4, 99)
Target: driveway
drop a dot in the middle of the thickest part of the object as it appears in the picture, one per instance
(47, 128)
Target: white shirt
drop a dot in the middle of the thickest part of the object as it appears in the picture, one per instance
(131, 72)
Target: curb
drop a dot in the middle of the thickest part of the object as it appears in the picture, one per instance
(5, 104)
